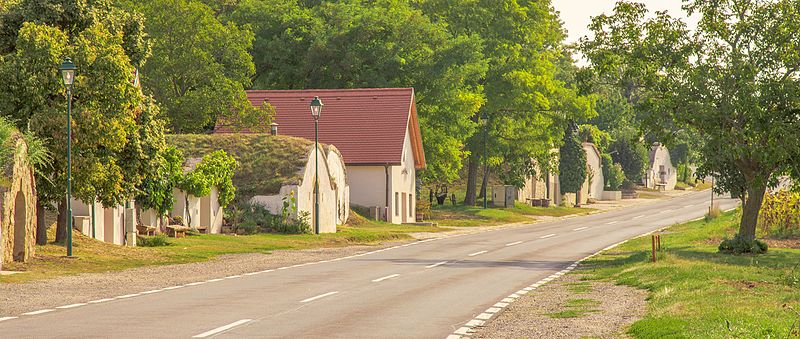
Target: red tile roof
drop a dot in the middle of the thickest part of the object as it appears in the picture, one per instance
(368, 126)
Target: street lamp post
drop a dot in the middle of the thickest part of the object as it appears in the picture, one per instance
(68, 77)
(316, 110)
(485, 121)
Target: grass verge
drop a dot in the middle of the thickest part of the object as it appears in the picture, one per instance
(576, 308)
(471, 216)
(696, 292)
(95, 256)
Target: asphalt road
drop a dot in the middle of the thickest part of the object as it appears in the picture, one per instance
(423, 290)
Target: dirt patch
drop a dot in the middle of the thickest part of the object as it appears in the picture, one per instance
(569, 308)
(783, 243)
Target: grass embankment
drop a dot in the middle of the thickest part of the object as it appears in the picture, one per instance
(696, 292)
(471, 216)
(95, 256)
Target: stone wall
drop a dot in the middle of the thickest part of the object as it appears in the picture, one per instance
(18, 207)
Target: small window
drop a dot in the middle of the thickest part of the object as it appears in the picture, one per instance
(396, 204)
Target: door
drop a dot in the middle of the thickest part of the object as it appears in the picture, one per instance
(405, 208)
(205, 212)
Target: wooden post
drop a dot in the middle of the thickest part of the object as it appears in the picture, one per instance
(653, 238)
(658, 239)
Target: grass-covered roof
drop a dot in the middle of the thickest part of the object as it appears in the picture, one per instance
(265, 162)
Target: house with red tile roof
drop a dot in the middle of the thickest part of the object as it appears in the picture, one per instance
(377, 132)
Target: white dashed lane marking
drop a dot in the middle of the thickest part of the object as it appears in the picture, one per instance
(386, 278)
(613, 222)
(436, 264)
(222, 328)
(70, 306)
(319, 297)
(639, 216)
(7, 318)
(514, 243)
(547, 236)
(580, 228)
(476, 253)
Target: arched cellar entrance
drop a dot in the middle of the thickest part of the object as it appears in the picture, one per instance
(20, 221)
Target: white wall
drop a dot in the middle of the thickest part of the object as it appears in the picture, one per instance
(198, 206)
(367, 185)
(403, 187)
(109, 222)
(339, 174)
(304, 195)
(670, 175)
(595, 163)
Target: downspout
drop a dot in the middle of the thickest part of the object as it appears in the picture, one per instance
(94, 206)
(386, 207)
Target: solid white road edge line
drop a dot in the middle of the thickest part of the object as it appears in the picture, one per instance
(319, 297)
(100, 300)
(580, 229)
(39, 312)
(70, 306)
(482, 318)
(436, 264)
(514, 243)
(222, 328)
(476, 253)
(386, 278)
(547, 236)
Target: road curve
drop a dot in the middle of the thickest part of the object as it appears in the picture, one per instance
(423, 290)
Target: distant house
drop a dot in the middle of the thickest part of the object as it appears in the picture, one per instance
(272, 169)
(376, 131)
(661, 174)
(541, 186)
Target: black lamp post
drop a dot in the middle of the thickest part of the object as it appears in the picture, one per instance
(485, 122)
(68, 77)
(316, 110)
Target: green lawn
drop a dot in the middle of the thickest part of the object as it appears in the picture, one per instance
(96, 256)
(696, 292)
(471, 216)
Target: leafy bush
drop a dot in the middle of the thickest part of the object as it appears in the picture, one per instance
(154, 241)
(737, 245)
(615, 177)
(780, 214)
(249, 218)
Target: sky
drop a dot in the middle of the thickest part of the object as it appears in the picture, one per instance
(577, 14)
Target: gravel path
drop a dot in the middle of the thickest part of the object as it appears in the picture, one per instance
(611, 309)
(36, 295)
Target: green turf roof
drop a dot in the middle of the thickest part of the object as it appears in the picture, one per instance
(265, 162)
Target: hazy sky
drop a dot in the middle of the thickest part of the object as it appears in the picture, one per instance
(577, 14)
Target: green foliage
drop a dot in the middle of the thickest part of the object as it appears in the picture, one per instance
(253, 218)
(572, 165)
(155, 192)
(214, 170)
(739, 111)
(739, 245)
(780, 214)
(202, 66)
(612, 173)
(633, 156)
(39, 156)
(592, 134)
(154, 241)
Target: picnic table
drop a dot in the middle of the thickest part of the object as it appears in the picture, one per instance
(177, 231)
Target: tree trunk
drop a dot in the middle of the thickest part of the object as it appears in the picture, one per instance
(472, 180)
(41, 225)
(755, 196)
(578, 198)
(61, 224)
(484, 182)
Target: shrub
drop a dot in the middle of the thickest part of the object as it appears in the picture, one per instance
(737, 245)
(615, 178)
(780, 214)
(154, 241)
(713, 214)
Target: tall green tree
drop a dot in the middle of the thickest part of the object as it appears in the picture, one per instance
(572, 164)
(734, 82)
(526, 99)
(202, 65)
(110, 150)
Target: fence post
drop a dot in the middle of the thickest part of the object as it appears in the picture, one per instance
(653, 238)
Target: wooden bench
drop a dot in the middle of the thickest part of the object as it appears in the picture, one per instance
(202, 229)
(146, 230)
(177, 231)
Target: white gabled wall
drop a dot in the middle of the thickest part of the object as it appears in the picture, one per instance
(403, 187)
